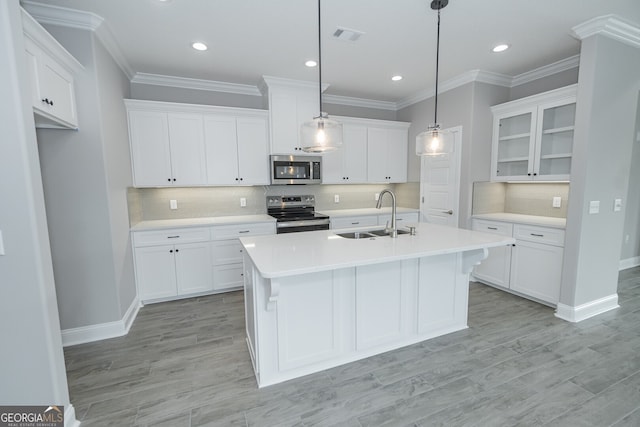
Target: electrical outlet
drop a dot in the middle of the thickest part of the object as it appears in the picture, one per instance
(243, 202)
(173, 204)
(594, 206)
(617, 205)
(336, 198)
(376, 196)
(557, 202)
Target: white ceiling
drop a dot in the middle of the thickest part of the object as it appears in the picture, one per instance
(251, 38)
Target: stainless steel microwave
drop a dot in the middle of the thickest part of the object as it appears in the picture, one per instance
(296, 170)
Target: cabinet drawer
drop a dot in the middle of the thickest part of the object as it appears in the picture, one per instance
(401, 219)
(493, 227)
(227, 276)
(172, 236)
(354, 221)
(226, 252)
(532, 233)
(222, 232)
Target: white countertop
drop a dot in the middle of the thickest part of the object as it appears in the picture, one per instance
(309, 252)
(199, 222)
(366, 211)
(544, 221)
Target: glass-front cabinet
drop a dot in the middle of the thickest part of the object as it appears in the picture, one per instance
(533, 137)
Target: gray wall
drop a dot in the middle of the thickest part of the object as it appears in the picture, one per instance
(31, 361)
(604, 134)
(555, 81)
(85, 177)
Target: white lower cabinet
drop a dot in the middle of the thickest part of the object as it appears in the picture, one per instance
(402, 219)
(165, 270)
(226, 253)
(531, 268)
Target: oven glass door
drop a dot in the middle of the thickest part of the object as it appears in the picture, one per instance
(284, 170)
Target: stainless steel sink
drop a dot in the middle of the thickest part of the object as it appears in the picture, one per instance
(368, 234)
(357, 235)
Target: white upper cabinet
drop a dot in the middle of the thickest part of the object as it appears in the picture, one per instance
(347, 165)
(387, 149)
(533, 137)
(51, 72)
(290, 103)
(237, 150)
(189, 145)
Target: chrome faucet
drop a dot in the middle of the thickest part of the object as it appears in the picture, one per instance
(393, 231)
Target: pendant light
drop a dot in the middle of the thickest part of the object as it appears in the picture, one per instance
(434, 141)
(321, 134)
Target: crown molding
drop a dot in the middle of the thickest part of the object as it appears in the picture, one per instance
(546, 70)
(71, 18)
(610, 26)
(360, 102)
(198, 84)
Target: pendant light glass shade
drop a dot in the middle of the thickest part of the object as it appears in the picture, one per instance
(321, 135)
(434, 141)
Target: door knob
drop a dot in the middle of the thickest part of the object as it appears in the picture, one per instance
(449, 212)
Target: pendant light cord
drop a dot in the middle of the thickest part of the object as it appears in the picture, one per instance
(435, 119)
(319, 60)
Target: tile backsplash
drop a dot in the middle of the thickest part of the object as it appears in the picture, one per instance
(520, 198)
(153, 203)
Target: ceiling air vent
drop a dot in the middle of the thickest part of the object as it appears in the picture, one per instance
(347, 35)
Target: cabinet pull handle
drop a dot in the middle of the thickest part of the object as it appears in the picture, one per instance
(492, 228)
(171, 251)
(172, 237)
(537, 235)
(243, 231)
(355, 223)
(177, 250)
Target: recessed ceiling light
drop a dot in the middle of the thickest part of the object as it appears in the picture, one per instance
(396, 78)
(500, 47)
(311, 63)
(199, 46)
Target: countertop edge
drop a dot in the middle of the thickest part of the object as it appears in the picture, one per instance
(542, 221)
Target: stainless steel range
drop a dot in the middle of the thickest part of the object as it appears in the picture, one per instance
(296, 213)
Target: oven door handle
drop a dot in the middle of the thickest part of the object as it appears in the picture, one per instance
(305, 223)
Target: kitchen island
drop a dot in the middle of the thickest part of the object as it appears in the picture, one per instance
(316, 300)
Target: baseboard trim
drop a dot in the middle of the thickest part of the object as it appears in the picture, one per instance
(629, 263)
(102, 331)
(585, 311)
(70, 416)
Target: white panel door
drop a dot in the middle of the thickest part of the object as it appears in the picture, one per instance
(536, 270)
(397, 155)
(333, 166)
(56, 84)
(155, 272)
(193, 267)
(378, 305)
(150, 152)
(354, 159)
(186, 136)
(440, 185)
(253, 151)
(220, 140)
(377, 155)
(284, 123)
(309, 322)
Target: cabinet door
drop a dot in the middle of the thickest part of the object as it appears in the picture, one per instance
(155, 272)
(284, 123)
(354, 221)
(377, 155)
(193, 268)
(397, 155)
(227, 276)
(56, 84)
(514, 145)
(355, 153)
(333, 166)
(222, 150)
(31, 54)
(496, 269)
(554, 140)
(186, 137)
(150, 153)
(226, 252)
(536, 270)
(253, 151)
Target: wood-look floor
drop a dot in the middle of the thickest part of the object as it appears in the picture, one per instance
(185, 363)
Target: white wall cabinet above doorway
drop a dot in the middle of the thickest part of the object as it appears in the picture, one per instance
(533, 137)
